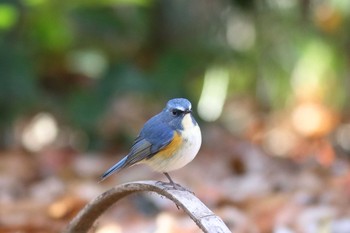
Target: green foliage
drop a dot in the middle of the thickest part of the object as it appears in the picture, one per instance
(75, 57)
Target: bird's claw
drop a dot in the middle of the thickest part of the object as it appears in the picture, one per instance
(174, 186)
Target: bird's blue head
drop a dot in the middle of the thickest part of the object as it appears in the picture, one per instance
(178, 113)
(179, 105)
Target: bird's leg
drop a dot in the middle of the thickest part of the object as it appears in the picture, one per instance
(173, 184)
(170, 180)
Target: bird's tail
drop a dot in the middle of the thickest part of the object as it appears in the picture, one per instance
(116, 167)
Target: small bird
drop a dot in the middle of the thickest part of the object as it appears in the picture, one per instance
(168, 141)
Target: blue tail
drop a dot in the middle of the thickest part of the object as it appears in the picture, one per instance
(116, 167)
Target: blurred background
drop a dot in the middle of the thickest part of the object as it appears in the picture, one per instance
(268, 80)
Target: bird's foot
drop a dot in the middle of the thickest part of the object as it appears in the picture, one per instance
(175, 186)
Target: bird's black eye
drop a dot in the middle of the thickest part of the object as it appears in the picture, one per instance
(176, 112)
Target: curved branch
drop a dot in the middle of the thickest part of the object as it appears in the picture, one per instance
(200, 214)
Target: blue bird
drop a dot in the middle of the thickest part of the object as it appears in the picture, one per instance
(168, 141)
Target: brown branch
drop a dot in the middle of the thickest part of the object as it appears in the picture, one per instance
(200, 214)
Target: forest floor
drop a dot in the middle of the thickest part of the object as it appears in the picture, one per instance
(250, 190)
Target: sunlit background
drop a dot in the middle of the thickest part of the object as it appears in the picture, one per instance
(268, 80)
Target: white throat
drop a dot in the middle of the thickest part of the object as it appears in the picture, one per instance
(187, 121)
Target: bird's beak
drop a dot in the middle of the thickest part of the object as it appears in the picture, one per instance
(188, 111)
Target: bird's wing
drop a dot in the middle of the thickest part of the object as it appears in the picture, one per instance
(153, 137)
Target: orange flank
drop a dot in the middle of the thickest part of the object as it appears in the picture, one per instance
(171, 157)
(172, 147)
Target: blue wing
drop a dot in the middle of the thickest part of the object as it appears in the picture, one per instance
(154, 136)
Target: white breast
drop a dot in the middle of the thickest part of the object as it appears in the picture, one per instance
(191, 142)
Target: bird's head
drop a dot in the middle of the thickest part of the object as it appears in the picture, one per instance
(178, 114)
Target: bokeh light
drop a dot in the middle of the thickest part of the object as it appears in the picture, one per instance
(91, 63)
(109, 228)
(240, 32)
(280, 142)
(40, 132)
(214, 93)
(8, 16)
(312, 119)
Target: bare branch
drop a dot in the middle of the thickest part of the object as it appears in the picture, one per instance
(200, 214)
